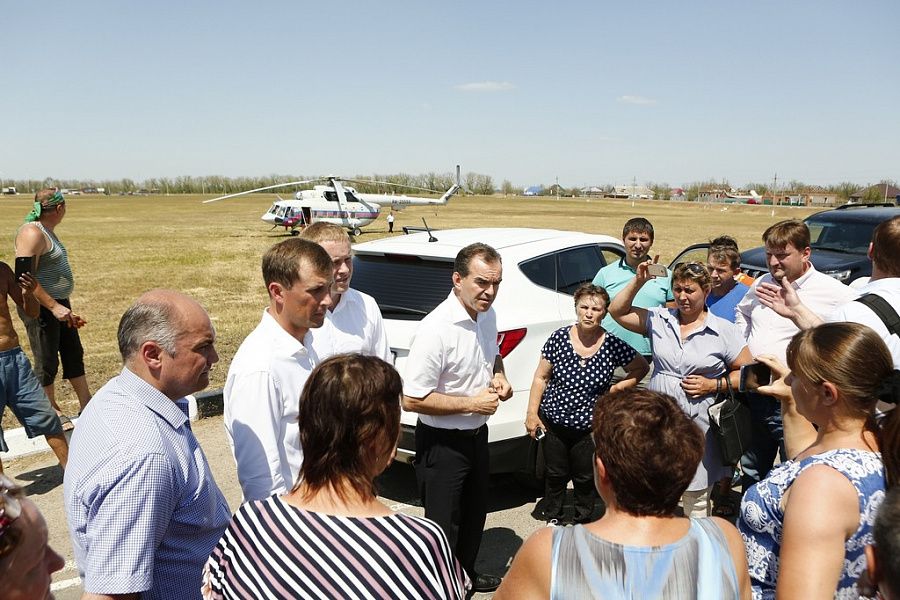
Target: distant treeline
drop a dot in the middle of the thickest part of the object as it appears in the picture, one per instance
(476, 183)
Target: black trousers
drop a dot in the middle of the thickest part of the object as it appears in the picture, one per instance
(453, 475)
(568, 455)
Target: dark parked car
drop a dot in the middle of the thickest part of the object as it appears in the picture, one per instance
(839, 239)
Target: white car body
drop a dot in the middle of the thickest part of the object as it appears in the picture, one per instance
(402, 265)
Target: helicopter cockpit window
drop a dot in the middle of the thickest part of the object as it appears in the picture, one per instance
(331, 195)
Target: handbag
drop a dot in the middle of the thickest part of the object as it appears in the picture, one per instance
(729, 420)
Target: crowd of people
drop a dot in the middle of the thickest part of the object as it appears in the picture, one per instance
(312, 413)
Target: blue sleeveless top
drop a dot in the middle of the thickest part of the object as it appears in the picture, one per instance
(762, 518)
(698, 565)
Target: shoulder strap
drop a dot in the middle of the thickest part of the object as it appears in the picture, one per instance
(885, 311)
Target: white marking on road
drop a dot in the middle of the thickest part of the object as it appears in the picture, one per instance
(65, 584)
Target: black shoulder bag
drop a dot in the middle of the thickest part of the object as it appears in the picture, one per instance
(885, 311)
(729, 420)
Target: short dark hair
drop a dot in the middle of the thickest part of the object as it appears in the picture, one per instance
(887, 540)
(649, 447)
(281, 263)
(886, 247)
(638, 225)
(724, 254)
(791, 231)
(349, 420)
(477, 250)
(589, 289)
(723, 241)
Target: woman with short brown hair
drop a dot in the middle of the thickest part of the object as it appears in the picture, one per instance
(647, 451)
(331, 537)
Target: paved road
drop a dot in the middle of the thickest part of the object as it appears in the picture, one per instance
(509, 521)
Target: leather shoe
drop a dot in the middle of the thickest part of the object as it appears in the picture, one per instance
(485, 583)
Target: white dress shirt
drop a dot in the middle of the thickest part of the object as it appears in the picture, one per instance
(355, 325)
(262, 400)
(855, 312)
(769, 333)
(453, 355)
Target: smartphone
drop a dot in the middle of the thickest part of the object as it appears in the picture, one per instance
(657, 270)
(754, 375)
(24, 264)
(539, 434)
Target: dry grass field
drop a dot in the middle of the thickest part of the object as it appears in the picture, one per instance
(120, 246)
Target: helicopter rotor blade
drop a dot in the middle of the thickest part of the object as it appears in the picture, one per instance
(262, 189)
(402, 185)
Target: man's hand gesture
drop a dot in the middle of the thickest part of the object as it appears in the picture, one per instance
(486, 402)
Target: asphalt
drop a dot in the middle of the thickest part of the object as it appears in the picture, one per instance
(509, 520)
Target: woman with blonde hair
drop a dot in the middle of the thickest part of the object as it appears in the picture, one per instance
(805, 526)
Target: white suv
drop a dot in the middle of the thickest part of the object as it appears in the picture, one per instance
(409, 276)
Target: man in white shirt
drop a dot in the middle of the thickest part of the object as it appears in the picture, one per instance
(884, 252)
(767, 332)
(455, 380)
(262, 391)
(353, 323)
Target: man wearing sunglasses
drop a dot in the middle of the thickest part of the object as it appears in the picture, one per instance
(54, 333)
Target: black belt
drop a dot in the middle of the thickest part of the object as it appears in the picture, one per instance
(451, 432)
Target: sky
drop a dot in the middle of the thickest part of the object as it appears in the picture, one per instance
(591, 92)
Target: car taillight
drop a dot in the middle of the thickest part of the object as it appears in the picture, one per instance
(508, 340)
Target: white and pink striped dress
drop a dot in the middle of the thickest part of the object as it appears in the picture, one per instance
(272, 549)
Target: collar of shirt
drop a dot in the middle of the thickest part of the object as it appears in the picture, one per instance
(144, 393)
(282, 338)
(458, 313)
(625, 265)
(347, 298)
(798, 283)
(671, 317)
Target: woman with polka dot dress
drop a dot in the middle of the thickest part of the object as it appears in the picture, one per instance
(576, 368)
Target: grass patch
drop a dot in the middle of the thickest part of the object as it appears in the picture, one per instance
(120, 247)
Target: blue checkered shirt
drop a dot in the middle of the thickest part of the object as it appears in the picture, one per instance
(144, 511)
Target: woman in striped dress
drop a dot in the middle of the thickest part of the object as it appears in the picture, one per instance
(330, 537)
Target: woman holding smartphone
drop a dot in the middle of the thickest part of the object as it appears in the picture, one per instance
(576, 368)
(693, 352)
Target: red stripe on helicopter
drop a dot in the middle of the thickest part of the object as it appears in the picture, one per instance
(338, 214)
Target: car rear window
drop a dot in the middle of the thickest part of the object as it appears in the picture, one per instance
(405, 287)
(565, 270)
(850, 237)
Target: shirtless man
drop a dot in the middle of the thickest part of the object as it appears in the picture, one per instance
(19, 388)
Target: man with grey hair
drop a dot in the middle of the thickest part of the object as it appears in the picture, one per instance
(143, 508)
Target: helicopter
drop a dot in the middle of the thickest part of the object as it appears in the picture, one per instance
(336, 203)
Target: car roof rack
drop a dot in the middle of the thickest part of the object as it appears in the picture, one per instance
(850, 205)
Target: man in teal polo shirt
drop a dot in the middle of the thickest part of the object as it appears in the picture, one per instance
(637, 236)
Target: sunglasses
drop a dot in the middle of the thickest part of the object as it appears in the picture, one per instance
(10, 509)
(696, 268)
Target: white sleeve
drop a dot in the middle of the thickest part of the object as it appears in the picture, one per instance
(743, 311)
(424, 364)
(253, 415)
(378, 342)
